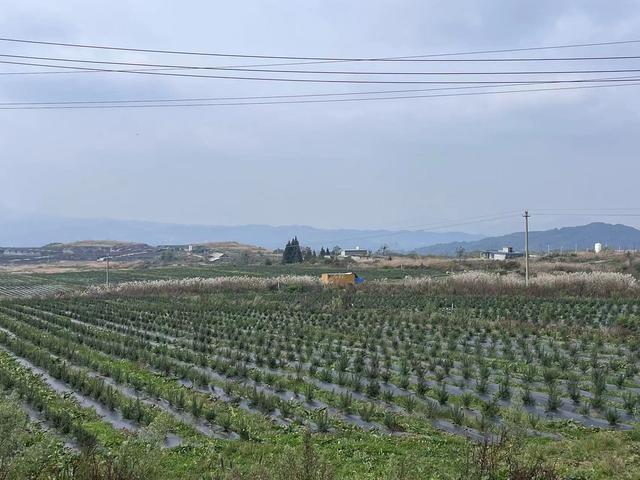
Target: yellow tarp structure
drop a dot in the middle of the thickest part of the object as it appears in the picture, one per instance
(339, 279)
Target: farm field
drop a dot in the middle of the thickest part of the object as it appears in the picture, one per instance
(31, 284)
(12, 285)
(382, 382)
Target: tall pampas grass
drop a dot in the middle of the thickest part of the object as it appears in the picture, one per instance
(202, 285)
(580, 284)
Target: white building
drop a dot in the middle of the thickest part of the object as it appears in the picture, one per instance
(505, 253)
(354, 252)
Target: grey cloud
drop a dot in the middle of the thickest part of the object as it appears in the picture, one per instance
(367, 164)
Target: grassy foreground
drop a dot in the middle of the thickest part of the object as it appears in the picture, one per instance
(550, 383)
(28, 452)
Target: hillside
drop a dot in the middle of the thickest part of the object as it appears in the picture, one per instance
(34, 232)
(566, 238)
(232, 247)
(91, 244)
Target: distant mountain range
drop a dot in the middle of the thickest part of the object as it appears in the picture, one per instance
(34, 232)
(566, 238)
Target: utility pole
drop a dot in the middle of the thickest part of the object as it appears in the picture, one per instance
(526, 247)
(107, 259)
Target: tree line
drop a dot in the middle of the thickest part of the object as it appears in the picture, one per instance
(294, 253)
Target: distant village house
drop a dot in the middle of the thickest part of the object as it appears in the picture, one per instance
(505, 253)
(354, 253)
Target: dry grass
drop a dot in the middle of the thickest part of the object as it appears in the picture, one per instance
(580, 284)
(203, 285)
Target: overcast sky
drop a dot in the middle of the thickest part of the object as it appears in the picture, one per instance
(401, 163)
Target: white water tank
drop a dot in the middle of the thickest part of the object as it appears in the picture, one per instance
(597, 247)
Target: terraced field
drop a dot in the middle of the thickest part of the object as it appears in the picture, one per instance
(12, 286)
(245, 373)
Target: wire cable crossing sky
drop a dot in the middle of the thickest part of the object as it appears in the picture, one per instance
(333, 115)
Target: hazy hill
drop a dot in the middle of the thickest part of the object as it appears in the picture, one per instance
(91, 244)
(32, 232)
(567, 238)
(232, 247)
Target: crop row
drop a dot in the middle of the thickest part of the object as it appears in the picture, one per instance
(374, 389)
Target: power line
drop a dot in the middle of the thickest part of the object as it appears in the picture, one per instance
(53, 72)
(318, 72)
(470, 220)
(590, 214)
(401, 224)
(287, 57)
(335, 100)
(236, 67)
(160, 69)
(306, 80)
(436, 226)
(258, 97)
(273, 97)
(586, 209)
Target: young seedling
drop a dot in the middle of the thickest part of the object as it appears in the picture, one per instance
(457, 415)
(613, 416)
(442, 395)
